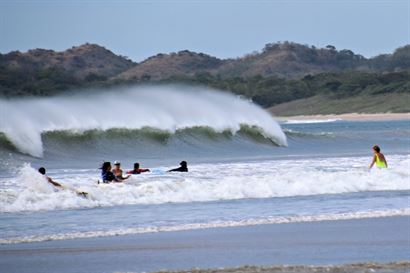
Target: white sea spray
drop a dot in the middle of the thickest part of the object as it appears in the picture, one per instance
(167, 108)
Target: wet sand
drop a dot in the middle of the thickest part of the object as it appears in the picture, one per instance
(381, 240)
(351, 117)
(400, 267)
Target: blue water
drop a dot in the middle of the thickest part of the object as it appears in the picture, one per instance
(233, 181)
(155, 217)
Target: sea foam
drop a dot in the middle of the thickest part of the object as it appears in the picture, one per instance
(216, 224)
(206, 183)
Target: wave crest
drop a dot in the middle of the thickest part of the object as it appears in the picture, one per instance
(165, 110)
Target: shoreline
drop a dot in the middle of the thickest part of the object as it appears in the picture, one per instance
(393, 267)
(348, 117)
(344, 242)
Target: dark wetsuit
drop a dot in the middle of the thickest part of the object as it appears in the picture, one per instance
(107, 176)
(180, 169)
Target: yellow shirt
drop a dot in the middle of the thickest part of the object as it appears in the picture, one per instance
(379, 163)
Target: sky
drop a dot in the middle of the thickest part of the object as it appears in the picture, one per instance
(225, 29)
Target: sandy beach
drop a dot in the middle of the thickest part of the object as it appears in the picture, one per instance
(399, 267)
(349, 117)
(381, 240)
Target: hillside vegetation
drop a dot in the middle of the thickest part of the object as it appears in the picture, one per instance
(46, 72)
(288, 78)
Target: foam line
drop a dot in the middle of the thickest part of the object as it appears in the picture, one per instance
(218, 224)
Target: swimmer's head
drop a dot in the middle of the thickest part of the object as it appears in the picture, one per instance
(183, 163)
(42, 170)
(106, 166)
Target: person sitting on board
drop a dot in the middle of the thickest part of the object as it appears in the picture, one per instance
(182, 168)
(378, 158)
(42, 170)
(117, 171)
(107, 175)
(137, 169)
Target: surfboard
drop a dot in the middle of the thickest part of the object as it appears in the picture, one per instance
(77, 191)
(111, 184)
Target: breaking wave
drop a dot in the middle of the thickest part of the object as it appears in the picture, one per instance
(145, 134)
(148, 112)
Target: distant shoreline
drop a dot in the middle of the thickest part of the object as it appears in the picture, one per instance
(349, 117)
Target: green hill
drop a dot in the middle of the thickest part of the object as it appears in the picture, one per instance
(287, 78)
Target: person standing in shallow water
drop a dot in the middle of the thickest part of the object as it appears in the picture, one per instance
(378, 158)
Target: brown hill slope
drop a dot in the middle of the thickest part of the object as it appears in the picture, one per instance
(285, 60)
(80, 62)
(45, 72)
(292, 60)
(163, 66)
(273, 75)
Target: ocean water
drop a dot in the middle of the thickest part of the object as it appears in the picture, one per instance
(245, 168)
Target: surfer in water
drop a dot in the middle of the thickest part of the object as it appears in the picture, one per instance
(378, 158)
(117, 171)
(107, 175)
(137, 169)
(42, 170)
(183, 167)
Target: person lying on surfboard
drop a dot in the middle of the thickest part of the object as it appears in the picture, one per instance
(183, 167)
(117, 171)
(42, 170)
(137, 169)
(378, 158)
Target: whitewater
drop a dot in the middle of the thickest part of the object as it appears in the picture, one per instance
(244, 167)
(29, 191)
(163, 108)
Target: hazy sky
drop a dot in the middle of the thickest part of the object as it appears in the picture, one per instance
(139, 29)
